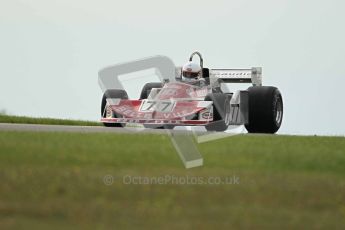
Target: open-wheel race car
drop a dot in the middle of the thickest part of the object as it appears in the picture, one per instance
(200, 101)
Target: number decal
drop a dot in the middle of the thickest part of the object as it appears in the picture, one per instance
(163, 106)
(167, 104)
(151, 104)
(148, 105)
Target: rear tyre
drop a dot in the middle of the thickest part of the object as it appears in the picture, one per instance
(265, 109)
(105, 108)
(221, 105)
(145, 92)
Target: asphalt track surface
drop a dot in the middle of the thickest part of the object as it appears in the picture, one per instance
(76, 129)
(98, 129)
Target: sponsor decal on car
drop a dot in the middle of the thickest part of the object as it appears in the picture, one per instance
(125, 120)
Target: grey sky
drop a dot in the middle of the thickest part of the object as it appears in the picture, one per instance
(51, 51)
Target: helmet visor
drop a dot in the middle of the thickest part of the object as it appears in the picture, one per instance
(190, 74)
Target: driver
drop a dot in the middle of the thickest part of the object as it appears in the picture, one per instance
(192, 74)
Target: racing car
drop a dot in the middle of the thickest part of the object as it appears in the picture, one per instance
(178, 103)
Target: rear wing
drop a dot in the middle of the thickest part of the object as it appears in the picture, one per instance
(253, 75)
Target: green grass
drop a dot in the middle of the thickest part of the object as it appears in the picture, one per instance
(47, 121)
(55, 181)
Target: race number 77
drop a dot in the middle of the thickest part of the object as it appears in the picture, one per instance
(163, 106)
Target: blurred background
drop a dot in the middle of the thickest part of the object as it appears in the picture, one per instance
(51, 51)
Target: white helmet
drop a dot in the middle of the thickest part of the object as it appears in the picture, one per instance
(191, 71)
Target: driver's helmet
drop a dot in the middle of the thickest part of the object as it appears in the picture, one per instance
(191, 72)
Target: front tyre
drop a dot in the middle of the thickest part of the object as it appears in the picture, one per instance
(265, 109)
(106, 111)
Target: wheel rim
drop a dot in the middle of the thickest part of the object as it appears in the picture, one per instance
(108, 111)
(279, 111)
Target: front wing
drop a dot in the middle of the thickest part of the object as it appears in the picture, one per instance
(156, 122)
(176, 113)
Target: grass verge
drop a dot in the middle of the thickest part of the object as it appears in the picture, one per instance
(56, 180)
(45, 121)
